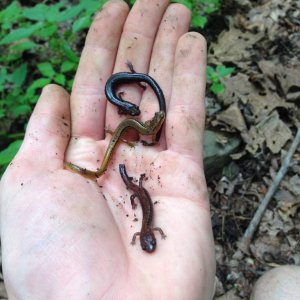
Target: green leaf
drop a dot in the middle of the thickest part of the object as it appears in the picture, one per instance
(210, 9)
(20, 33)
(224, 71)
(199, 21)
(71, 55)
(81, 23)
(22, 109)
(42, 12)
(210, 2)
(217, 88)
(34, 99)
(10, 14)
(67, 66)
(23, 46)
(70, 13)
(36, 13)
(37, 84)
(210, 6)
(8, 154)
(70, 84)
(47, 31)
(3, 74)
(10, 57)
(9, 11)
(210, 72)
(2, 113)
(186, 3)
(91, 6)
(60, 79)
(46, 69)
(53, 13)
(19, 75)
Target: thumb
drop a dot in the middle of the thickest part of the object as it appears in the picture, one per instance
(48, 131)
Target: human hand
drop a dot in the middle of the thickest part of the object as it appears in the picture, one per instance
(64, 236)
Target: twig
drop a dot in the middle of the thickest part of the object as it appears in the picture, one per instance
(246, 239)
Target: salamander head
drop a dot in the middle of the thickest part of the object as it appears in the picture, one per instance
(133, 110)
(148, 241)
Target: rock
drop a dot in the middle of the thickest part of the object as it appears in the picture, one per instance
(282, 283)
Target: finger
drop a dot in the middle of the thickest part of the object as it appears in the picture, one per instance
(174, 24)
(135, 46)
(88, 100)
(186, 114)
(48, 130)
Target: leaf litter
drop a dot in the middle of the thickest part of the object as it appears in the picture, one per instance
(260, 104)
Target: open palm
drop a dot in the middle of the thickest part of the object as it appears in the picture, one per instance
(65, 236)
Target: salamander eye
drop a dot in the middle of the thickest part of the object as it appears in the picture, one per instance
(135, 111)
(148, 242)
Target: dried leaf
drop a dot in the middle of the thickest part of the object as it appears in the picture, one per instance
(272, 130)
(287, 204)
(286, 76)
(293, 185)
(233, 45)
(262, 106)
(233, 117)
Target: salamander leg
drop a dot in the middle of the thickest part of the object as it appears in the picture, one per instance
(129, 143)
(120, 94)
(133, 204)
(130, 178)
(132, 70)
(143, 86)
(121, 111)
(142, 176)
(145, 143)
(130, 66)
(134, 238)
(163, 236)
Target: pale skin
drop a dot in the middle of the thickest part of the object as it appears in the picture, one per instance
(68, 237)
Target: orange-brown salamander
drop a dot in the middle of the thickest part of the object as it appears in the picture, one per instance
(150, 127)
(147, 237)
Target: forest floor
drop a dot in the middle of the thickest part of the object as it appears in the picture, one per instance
(261, 39)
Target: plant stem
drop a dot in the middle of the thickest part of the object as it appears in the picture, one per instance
(248, 235)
